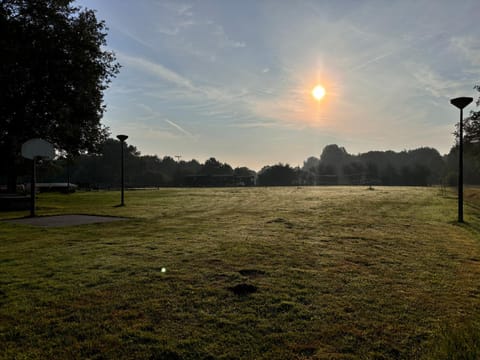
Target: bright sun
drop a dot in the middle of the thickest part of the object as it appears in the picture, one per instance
(318, 92)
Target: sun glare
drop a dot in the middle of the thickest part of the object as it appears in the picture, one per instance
(318, 92)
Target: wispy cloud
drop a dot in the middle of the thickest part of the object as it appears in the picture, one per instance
(176, 28)
(388, 68)
(467, 46)
(139, 130)
(162, 72)
(434, 83)
(185, 10)
(398, 47)
(178, 127)
(156, 69)
(373, 60)
(152, 114)
(133, 37)
(222, 39)
(180, 18)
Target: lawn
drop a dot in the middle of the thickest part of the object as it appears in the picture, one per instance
(337, 273)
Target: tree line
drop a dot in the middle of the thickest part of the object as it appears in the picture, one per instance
(102, 170)
(335, 166)
(419, 167)
(55, 68)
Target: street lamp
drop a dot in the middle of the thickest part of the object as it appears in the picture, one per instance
(460, 103)
(122, 139)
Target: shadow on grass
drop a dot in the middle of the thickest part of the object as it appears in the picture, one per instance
(473, 227)
(457, 342)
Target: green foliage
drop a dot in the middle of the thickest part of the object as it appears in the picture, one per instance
(471, 148)
(277, 175)
(472, 123)
(54, 70)
(213, 167)
(471, 164)
(419, 167)
(103, 169)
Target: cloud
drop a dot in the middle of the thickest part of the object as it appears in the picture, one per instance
(156, 69)
(432, 82)
(178, 127)
(185, 10)
(152, 114)
(176, 28)
(185, 87)
(141, 130)
(467, 46)
(134, 37)
(373, 60)
(222, 39)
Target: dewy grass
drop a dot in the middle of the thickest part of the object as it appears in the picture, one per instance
(338, 272)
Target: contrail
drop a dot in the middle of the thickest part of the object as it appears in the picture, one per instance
(361, 66)
(401, 48)
(178, 127)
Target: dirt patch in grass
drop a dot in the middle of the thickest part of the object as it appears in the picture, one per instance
(243, 289)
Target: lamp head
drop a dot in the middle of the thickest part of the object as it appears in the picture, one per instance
(122, 138)
(461, 102)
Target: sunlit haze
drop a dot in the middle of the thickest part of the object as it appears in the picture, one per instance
(234, 79)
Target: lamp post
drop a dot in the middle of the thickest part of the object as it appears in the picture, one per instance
(122, 139)
(460, 103)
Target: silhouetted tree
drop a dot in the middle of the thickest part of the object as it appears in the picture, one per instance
(53, 71)
(353, 173)
(326, 174)
(389, 175)
(422, 166)
(471, 162)
(214, 167)
(243, 171)
(371, 175)
(333, 154)
(472, 123)
(311, 163)
(277, 175)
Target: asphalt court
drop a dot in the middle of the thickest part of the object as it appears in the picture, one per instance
(64, 220)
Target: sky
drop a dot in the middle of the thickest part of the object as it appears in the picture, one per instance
(232, 79)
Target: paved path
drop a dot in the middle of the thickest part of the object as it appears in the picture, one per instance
(64, 220)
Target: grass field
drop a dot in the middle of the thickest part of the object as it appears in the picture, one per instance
(340, 273)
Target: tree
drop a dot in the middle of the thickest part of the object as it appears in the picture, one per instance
(277, 175)
(354, 173)
(472, 123)
(333, 154)
(214, 167)
(53, 73)
(243, 171)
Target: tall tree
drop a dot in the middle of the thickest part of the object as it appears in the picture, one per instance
(53, 73)
(472, 123)
(277, 175)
